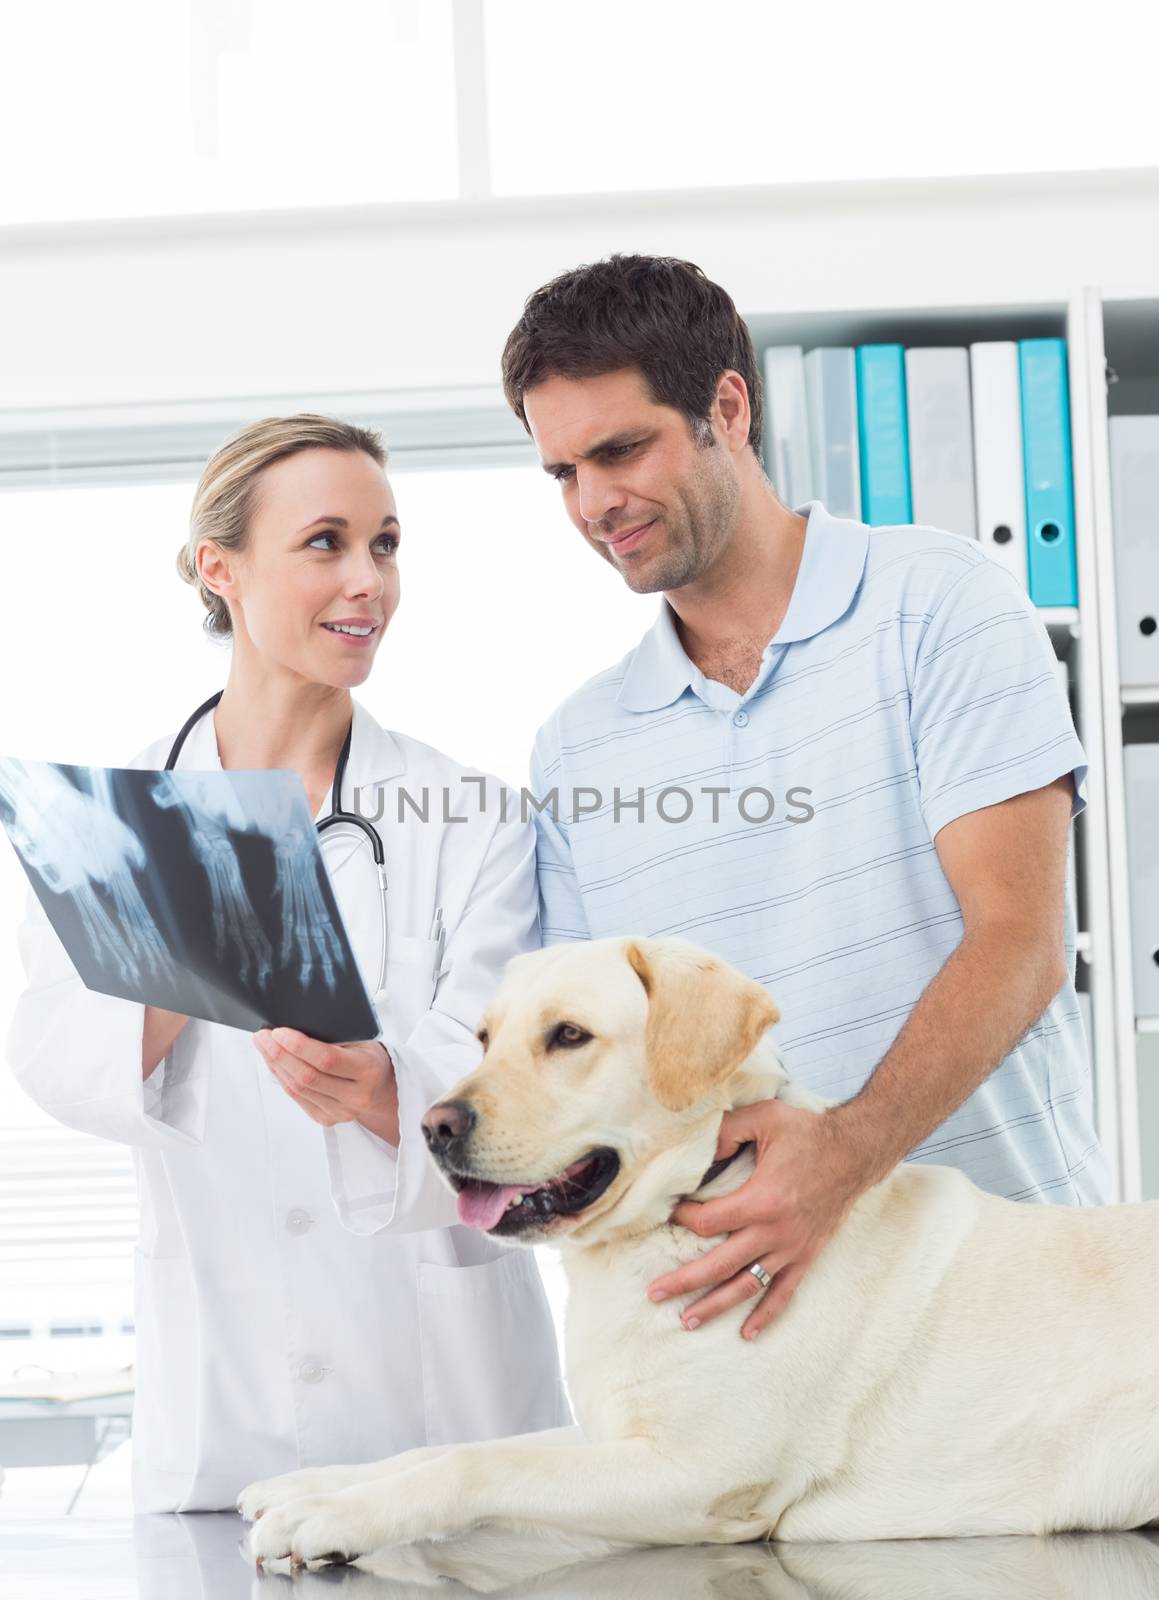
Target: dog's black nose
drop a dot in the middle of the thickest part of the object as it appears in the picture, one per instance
(451, 1119)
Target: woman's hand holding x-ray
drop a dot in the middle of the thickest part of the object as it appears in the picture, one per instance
(335, 1082)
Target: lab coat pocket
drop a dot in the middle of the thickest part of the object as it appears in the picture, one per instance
(489, 1353)
(410, 983)
(176, 1092)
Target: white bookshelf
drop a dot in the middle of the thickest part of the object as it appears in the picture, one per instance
(1079, 637)
(1123, 342)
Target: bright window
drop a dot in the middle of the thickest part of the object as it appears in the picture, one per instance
(504, 611)
(99, 598)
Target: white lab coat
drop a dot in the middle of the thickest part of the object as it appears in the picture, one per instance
(305, 1295)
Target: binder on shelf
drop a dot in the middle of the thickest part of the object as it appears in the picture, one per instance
(941, 445)
(787, 455)
(1135, 524)
(1141, 771)
(882, 434)
(1047, 460)
(831, 397)
(996, 394)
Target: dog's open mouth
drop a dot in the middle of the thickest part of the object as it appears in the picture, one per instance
(505, 1208)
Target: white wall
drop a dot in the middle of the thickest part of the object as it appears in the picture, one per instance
(398, 296)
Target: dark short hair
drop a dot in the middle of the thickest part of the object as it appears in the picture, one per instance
(655, 313)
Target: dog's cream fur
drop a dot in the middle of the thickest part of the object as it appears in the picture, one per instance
(952, 1363)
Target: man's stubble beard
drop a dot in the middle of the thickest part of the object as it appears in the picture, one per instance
(697, 538)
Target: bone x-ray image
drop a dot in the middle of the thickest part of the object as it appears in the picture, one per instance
(199, 892)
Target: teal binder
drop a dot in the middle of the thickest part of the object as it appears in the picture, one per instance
(883, 434)
(1050, 555)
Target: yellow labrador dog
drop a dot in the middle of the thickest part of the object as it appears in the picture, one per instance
(952, 1363)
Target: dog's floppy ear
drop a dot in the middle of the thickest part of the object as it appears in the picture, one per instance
(704, 1018)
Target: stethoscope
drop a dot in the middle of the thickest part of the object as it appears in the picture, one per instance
(337, 815)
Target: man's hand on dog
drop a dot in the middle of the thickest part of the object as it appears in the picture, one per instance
(807, 1176)
(335, 1082)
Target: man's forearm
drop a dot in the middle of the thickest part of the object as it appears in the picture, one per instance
(991, 989)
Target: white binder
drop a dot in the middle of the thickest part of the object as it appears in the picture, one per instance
(941, 445)
(787, 456)
(1135, 519)
(1141, 771)
(998, 471)
(831, 396)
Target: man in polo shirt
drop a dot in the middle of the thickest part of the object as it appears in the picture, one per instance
(840, 759)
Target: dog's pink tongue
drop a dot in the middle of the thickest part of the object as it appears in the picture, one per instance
(482, 1206)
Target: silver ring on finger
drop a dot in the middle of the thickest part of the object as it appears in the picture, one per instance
(759, 1273)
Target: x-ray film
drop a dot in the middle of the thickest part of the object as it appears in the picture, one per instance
(203, 893)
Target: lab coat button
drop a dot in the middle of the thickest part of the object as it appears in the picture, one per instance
(311, 1372)
(299, 1222)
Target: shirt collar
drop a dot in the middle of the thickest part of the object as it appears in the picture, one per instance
(376, 756)
(832, 563)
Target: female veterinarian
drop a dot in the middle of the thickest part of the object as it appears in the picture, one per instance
(304, 1295)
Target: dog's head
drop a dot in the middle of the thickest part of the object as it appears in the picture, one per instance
(606, 1067)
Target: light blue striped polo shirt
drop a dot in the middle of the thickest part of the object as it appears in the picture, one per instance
(790, 829)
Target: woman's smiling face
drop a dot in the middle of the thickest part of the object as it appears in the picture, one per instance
(321, 550)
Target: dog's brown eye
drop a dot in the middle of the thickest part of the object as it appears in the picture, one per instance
(566, 1036)
(483, 1037)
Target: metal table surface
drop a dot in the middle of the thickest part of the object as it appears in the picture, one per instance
(197, 1557)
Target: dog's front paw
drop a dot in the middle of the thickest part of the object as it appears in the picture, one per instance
(319, 1527)
(263, 1496)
